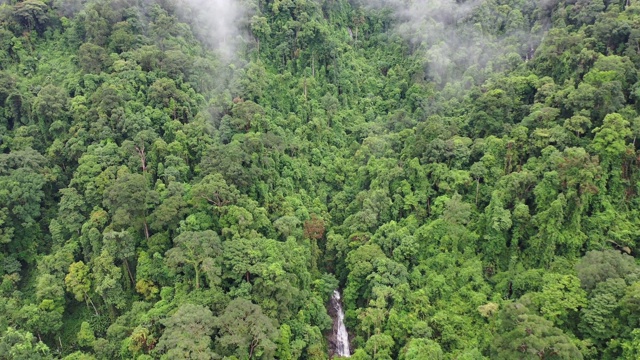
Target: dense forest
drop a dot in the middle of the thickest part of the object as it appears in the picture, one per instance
(193, 179)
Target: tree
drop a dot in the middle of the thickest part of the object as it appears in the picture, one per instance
(22, 184)
(165, 95)
(79, 355)
(523, 335)
(284, 343)
(187, 334)
(379, 346)
(51, 104)
(123, 37)
(631, 348)
(85, 336)
(107, 279)
(422, 349)
(244, 331)
(287, 226)
(609, 140)
(600, 320)
(71, 210)
(561, 296)
(21, 345)
(128, 200)
(121, 245)
(201, 250)
(171, 210)
(45, 316)
(214, 190)
(32, 14)
(92, 58)
(598, 266)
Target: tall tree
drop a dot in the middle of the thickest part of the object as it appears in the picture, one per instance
(201, 250)
(187, 334)
(244, 331)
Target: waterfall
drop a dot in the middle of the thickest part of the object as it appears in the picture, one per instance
(340, 331)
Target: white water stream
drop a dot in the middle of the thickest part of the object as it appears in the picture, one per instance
(342, 337)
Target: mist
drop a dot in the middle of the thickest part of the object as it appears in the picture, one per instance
(220, 24)
(458, 40)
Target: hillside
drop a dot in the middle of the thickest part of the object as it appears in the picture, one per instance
(192, 179)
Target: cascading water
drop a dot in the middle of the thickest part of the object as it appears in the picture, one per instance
(339, 330)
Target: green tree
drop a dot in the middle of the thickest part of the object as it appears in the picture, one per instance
(187, 334)
(128, 200)
(561, 296)
(201, 250)
(21, 192)
(609, 140)
(51, 104)
(21, 345)
(85, 336)
(92, 58)
(245, 332)
(422, 349)
(523, 335)
(598, 266)
(32, 14)
(107, 279)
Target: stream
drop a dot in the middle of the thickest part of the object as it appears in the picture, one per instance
(340, 336)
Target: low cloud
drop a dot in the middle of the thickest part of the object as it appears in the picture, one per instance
(221, 24)
(452, 34)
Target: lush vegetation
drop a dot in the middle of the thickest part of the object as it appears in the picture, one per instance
(160, 201)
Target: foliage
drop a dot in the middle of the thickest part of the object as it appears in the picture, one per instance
(468, 177)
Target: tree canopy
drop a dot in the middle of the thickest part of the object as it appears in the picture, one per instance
(193, 179)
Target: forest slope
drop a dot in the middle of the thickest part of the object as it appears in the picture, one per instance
(467, 175)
